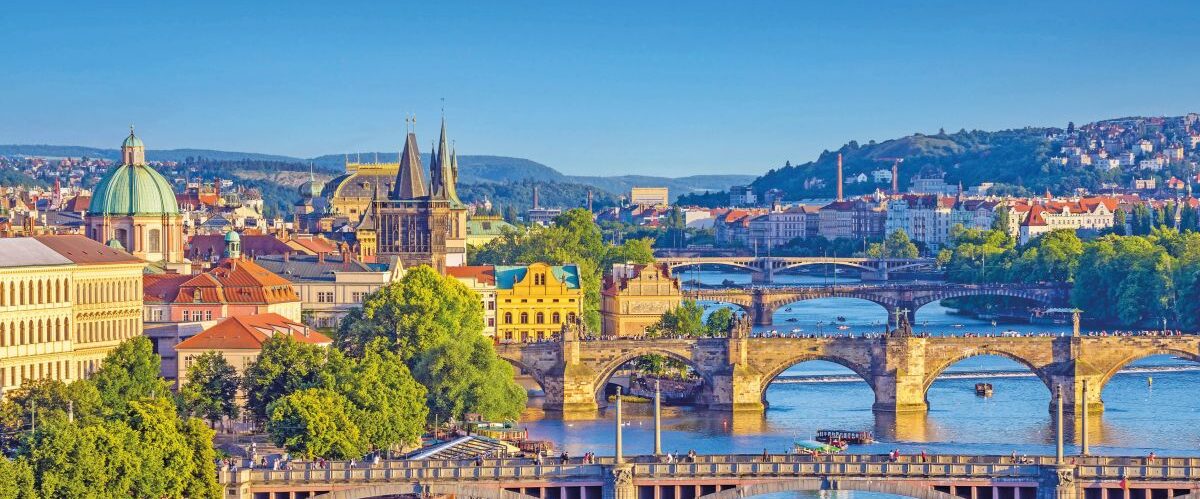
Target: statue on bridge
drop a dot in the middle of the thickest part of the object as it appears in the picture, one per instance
(903, 327)
(741, 327)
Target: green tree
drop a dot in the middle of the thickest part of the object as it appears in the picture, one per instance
(284, 366)
(388, 404)
(1119, 222)
(897, 245)
(16, 479)
(201, 482)
(315, 422)
(686, 320)
(164, 456)
(720, 321)
(130, 372)
(435, 325)
(71, 460)
(211, 388)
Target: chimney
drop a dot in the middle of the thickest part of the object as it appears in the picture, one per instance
(896, 178)
(535, 196)
(321, 257)
(839, 178)
(589, 199)
(287, 256)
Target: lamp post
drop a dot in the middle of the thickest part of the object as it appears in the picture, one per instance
(1058, 425)
(619, 458)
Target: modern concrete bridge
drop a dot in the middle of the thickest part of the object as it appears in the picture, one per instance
(899, 368)
(764, 268)
(731, 477)
(761, 303)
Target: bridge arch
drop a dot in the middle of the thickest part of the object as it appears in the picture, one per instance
(1025, 294)
(395, 489)
(862, 371)
(894, 487)
(732, 265)
(793, 266)
(941, 367)
(537, 376)
(1139, 355)
(775, 304)
(609, 368)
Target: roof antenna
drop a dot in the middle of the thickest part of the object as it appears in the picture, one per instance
(310, 171)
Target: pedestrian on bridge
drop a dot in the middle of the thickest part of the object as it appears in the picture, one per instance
(766, 457)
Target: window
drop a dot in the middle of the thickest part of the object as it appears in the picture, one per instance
(357, 296)
(325, 297)
(555, 318)
(155, 240)
(208, 315)
(508, 318)
(541, 318)
(491, 322)
(187, 315)
(491, 305)
(524, 317)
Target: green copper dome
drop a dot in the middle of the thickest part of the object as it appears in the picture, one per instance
(133, 190)
(132, 140)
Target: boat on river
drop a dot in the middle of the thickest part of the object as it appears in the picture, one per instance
(843, 327)
(845, 436)
(983, 389)
(815, 447)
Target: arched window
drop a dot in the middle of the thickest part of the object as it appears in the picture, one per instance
(508, 317)
(524, 317)
(155, 239)
(555, 318)
(571, 317)
(122, 237)
(541, 318)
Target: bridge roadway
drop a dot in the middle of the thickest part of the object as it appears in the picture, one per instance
(764, 268)
(736, 370)
(760, 303)
(730, 477)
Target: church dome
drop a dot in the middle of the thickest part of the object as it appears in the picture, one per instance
(132, 140)
(133, 190)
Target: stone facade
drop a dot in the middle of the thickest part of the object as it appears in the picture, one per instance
(636, 296)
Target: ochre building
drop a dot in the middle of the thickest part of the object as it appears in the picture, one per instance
(533, 302)
(65, 302)
(635, 296)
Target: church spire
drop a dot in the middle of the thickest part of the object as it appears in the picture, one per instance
(410, 179)
(445, 168)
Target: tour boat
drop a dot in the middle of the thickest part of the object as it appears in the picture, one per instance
(789, 309)
(843, 327)
(845, 436)
(957, 325)
(797, 330)
(792, 319)
(983, 389)
(813, 446)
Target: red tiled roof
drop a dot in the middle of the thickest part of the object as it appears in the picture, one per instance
(249, 333)
(84, 251)
(316, 245)
(482, 273)
(79, 203)
(230, 281)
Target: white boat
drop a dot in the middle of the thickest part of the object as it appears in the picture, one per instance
(797, 330)
(843, 327)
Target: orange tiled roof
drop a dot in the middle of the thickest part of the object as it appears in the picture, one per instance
(482, 273)
(84, 251)
(230, 281)
(249, 333)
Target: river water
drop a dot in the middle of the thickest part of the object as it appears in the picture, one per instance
(1140, 417)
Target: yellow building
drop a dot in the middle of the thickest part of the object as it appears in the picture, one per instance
(649, 196)
(533, 302)
(636, 296)
(65, 303)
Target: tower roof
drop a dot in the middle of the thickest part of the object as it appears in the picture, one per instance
(410, 179)
(132, 140)
(444, 170)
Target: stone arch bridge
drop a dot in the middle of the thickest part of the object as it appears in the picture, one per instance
(899, 368)
(760, 303)
(764, 268)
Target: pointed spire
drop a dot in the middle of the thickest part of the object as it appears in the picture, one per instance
(443, 168)
(410, 178)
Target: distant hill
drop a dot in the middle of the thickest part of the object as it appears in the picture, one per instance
(1017, 159)
(476, 169)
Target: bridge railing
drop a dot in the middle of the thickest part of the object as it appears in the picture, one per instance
(853, 465)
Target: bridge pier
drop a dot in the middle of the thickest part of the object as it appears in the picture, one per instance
(899, 374)
(1057, 482)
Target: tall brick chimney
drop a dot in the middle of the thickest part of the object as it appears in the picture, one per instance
(839, 179)
(896, 177)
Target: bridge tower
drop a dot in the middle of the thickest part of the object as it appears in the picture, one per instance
(736, 386)
(899, 369)
(576, 393)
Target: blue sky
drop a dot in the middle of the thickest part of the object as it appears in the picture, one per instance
(662, 88)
